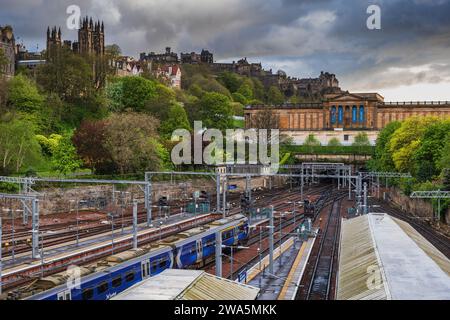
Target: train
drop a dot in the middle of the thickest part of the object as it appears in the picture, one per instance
(112, 275)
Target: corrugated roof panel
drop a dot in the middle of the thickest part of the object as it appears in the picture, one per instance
(357, 263)
(441, 260)
(209, 287)
(188, 285)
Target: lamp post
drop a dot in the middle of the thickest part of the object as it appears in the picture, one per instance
(111, 216)
(123, 205)
(281, 238)
(294, 209)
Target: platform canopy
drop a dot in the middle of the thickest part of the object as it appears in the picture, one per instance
(383, 258)
(188, 285)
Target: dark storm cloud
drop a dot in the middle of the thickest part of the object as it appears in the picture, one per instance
(303, 37)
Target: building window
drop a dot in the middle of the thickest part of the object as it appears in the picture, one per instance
(333, 115)
(341, 115)
(354, 114)
(362, 114)
(346, 137)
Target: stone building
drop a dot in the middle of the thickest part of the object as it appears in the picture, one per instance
(8, 46)
(195, 58)
(344, 115)
(91, 39)
(125, 66)
(166, 57)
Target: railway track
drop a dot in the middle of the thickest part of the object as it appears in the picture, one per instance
(438, 240)
(244, 258)
(86, 257)
(317, 281)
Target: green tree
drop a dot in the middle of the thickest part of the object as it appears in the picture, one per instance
(215, 111)
(311, 141)
(258, 89)
(239, 98)
(65, 159)
(24, 96)
(70, 76)
(49, 145)
(18, 146)
(137, 92)
(382, 160)
(444, 161)
(231, 81)
(130, 138)
(334, 142)
(361, 140)
(238, 109)
(246, 90)
(159, 104)
(274, 96)
(406, 140)
(429, 154)
(176, 119)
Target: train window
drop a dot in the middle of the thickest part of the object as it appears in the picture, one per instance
(162, 264)
(117, 282)
(102, 287)
(87, 294)
(154, 267)
(129, 276)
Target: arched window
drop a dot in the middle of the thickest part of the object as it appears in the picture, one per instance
(354, 114)
(341, 114)
(333, 114)
(362, 114)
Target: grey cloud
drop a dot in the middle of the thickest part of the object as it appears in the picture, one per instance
(303, 37)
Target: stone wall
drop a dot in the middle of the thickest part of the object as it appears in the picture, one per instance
(99, 197)
(417, 207)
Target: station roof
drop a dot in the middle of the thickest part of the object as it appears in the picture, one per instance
(383, 258)
(188, 285)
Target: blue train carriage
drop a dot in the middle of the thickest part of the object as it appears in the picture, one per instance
(116, 273)
(106, 278)
(196, 247)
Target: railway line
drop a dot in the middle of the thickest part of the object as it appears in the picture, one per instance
(260, 240)
(317, 282)
(67, 232)
(27, 272)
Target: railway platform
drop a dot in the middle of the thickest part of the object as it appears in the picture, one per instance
(383, 258)
(289, 264)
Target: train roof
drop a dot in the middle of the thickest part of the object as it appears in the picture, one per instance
(188, 285)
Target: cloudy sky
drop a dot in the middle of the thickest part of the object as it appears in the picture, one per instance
(408, 59)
